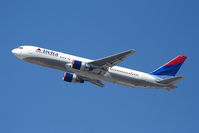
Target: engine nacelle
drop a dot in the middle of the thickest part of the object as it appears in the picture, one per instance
(79, 65)
(70, 77)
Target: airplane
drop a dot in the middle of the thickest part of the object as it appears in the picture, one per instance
(78, 70)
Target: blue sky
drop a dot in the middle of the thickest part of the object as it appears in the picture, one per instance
(35, 99)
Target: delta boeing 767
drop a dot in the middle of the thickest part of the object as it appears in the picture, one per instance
(78, 69)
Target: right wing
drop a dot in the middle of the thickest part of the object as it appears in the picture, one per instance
(102, 65)
(111, 61)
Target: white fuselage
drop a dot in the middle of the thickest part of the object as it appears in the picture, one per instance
(115, 74)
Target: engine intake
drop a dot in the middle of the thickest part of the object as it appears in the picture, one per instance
(79, 65)
(70, 77)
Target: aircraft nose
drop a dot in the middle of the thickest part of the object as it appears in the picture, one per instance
(16, 52)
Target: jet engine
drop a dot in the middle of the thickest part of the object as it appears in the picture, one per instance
(79, 65)
(71, 77)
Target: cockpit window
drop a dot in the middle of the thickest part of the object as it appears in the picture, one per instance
(20, 47)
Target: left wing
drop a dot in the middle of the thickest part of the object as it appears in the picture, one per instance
(93, 81)
(111, 61)
(97, 82)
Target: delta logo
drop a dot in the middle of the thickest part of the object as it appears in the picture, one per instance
(38, 50)
(48, 52)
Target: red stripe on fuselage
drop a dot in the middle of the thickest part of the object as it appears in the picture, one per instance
(179, 59)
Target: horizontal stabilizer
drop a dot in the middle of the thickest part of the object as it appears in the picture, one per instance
(173, 80)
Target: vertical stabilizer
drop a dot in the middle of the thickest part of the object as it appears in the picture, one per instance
(170, 68)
